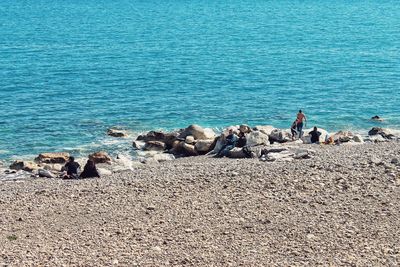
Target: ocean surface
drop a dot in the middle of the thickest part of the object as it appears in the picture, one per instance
(70, 69)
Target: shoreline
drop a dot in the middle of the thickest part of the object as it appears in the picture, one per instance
(265, 136)
(337, 208)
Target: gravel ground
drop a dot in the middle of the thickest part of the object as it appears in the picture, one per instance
(339, 208)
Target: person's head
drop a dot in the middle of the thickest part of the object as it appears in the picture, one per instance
(91, 163)
(315, 128)
(230, 131)
(71, 159)
(241, 134)
(300, 111)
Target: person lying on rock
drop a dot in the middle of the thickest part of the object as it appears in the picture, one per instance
(71, 169)
(90, 170)
(315, 134)
(230, 142)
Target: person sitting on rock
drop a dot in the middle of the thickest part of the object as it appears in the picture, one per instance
(90, 170)
(315, 134)
(71, 168)
(242, 141)
(293, 129)
(230, 142)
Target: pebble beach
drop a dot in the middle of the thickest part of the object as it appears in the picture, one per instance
(337, 208)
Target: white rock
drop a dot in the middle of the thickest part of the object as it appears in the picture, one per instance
(266, 129)
(257, 138)
(45, 173)
(189, 139)
(204, 145)
(358, 138)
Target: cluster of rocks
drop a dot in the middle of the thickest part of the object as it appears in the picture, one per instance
(50, 165)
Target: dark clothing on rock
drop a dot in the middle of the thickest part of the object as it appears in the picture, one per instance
(89, 171)
(314, 136)
(293, 129)
(241, 142)
(72, 167)
(230, 143)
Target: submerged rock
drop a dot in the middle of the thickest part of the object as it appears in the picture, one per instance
(56, 157)
(116, 133)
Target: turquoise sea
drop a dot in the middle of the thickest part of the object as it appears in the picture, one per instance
(70, 69)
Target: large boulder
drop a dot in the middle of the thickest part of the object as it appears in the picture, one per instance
(256, 138)
(189, 150)
(343, 136)
(280, 136)
(28, 166)
(166, 138)
(56, 157)
(189, 139)
(197, 132)
(266, 129)
(155, 146)
(204, 146)
(385, 133)
(358, 138)
(100, 157)
(116, 133)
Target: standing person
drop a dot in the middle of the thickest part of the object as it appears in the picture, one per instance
(90, 170)
(301, 118)
(71, 167)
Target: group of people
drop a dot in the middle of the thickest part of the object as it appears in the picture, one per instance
(232, 140)
(72, 168)
(297, 128)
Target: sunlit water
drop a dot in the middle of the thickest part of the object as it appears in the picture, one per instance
(71, 69)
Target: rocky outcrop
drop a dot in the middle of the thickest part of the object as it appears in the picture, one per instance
(197, 132)
(280, 136)
(56, 157)
(28, 166)
(166, 138)
(100, 157)
(117, 133)
(256, 138)
(266, 129)
(204, 146)
(155, 146)
(385, 133)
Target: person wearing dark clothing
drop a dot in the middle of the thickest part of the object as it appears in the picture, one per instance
(293, 129)
(90, 170)
(315, 134)
(230, 143)
(71, 168)
(241, 142)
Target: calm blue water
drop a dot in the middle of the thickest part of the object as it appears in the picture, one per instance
(69, 69)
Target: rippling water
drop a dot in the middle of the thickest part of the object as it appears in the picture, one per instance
(71, 69)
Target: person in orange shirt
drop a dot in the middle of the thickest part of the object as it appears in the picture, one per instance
(301, 118)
